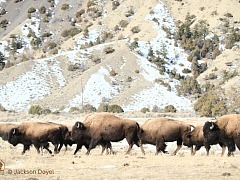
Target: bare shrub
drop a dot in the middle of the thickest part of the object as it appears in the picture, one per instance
(103, 107)
(145, 110)
(115, 108)
(170, 108)
(36, 109)
(109, 50)
(135, 29)
(88, 108)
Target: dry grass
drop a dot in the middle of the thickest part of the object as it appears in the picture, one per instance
(119, 166)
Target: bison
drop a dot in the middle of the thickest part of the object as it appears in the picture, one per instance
(196, 137)
(157, 131)
(38, 134)
(225, 130)
(5, 130)
(68, 141)
(102, 128)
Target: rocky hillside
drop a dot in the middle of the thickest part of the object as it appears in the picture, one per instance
(62, 55)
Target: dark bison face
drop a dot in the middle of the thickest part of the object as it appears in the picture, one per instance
(68, 136)
(14, 136)
(187, 139)
(211, 133)
(78, 131)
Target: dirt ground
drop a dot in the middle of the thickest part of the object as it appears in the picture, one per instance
(65, 165)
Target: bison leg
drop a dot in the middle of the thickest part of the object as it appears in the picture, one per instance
(231, 147)
(109, 146)
(197, 147)
(106, 146)
(237, 141)
(60, 146)
(46, 146)
(160, 146)
(193, 150)
(179, 145)
(139, 144)
(37, 148)
(79, 146)
(178, 148)
(55, 148)
(129, 148)
(25, 148)
(92, 145)
(223, 150)
(207, 147)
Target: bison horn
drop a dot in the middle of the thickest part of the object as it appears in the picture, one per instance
(14, 131)
(78, 124)
(212, 126)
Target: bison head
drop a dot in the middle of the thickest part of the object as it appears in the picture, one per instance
(211, 133)
(14, 136)
(187, 141)
(78, 131)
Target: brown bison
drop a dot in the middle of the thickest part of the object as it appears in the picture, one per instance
(38, 134)
(195, 137)
(68, 141)
(65, 130)
(102, 128)
(226, 130)
(5, 130)
(157, 131)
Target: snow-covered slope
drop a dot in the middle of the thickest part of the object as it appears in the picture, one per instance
(48, 82)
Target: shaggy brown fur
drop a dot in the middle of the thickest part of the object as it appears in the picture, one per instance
(103, 128)
(157, 131)
(36, 133)
(196, 137)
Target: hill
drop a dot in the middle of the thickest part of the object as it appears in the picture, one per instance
(61, 55)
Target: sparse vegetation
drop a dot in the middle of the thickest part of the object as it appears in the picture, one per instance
(194, 41)
(170, 108)
(65, 7)
(36, 109)
(103, 107)
(80, 13)
(115, 4)
(210, 104)
(123, 23)
(115, 108)
(31, 10)
(228, 75)
(88, 108)
(71, 32)
(74, 109)
(155, 108)
(188, 86)
(145, 110)
(135, 29)
(42, 10)
(112, 72)
(109, 50)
